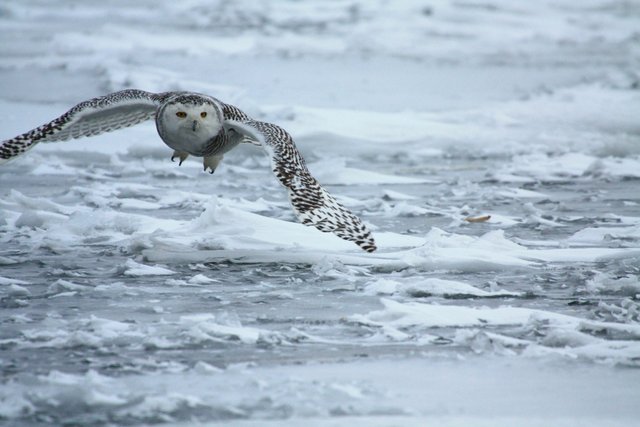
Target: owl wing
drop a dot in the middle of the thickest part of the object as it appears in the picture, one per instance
(93, 117)
(312, 204)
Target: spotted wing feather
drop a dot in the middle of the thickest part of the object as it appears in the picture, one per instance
(95, 116)
(312, 204)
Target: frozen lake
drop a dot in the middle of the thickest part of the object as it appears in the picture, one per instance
(137, 292)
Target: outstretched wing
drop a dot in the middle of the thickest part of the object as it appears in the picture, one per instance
(93, 117)
(312, 204)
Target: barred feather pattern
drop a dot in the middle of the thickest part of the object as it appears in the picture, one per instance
(313, 205)
(93, 117)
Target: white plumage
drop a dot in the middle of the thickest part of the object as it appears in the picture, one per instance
(202, 126)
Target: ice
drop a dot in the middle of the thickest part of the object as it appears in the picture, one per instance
(10, 281)
(205, 368)
(133, 268)
(334, 171)
(430, 287)
(396, 195)
(17, 290)
(62, 286)
(415, 314)
(134, 291)
(605, 283)
(561, 334)
(571, 165)
(597, 235)
(201, 279)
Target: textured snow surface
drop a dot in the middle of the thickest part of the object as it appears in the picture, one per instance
(137, 292)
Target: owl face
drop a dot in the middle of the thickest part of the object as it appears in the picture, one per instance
(192, 119)
(189, 125)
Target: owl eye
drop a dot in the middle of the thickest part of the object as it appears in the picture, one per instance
(181, 114)
(203, 114)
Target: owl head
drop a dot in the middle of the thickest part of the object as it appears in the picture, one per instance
(190, 116)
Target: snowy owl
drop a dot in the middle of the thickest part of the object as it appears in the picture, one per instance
(200, 125)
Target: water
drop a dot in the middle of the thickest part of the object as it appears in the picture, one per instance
(134, 291)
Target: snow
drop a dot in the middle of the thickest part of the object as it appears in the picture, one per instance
(136, 292)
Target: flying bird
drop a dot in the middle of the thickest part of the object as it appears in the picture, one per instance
(202, 126)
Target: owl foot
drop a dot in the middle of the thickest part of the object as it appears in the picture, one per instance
(180, 154)
(211, 163)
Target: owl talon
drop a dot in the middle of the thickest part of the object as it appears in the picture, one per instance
(212, 163)
(181, 155)
(202, 124)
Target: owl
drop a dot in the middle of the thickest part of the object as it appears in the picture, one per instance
(198, 125)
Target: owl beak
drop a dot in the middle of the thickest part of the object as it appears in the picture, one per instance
(194, 126)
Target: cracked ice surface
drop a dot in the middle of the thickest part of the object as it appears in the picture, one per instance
(134, 291)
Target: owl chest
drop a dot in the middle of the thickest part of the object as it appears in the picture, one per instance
(186, 140)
